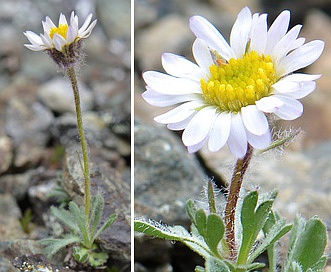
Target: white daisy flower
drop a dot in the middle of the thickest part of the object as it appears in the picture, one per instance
(224, 98)
(63, 43)
(56, 37)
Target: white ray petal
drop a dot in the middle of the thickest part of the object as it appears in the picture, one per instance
(301, 57)
(197, 147)
(86, 23)
(240, 32)
(254, 120)
(179, 113)
(34, 47)
(204, 30)
(282, 47)
(167, 84)
(33, 38)
(301, 77)
(88, 31)
(277, 30)
(259, 141)
(259, 34)
(48, 25)
(199, 127)
(62, 20)
(46, 40)
(179, 66)
(291, 109)
(269, 104)
(180, 125)
(71, 35)
(237, 141)
(219, 132)
(59, 42)
(164, 100)
(202, 55)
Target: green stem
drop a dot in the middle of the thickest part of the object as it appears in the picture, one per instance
(72, 75)
(231, 205)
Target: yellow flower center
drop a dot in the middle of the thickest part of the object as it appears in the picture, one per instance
(240, 82)
(61, 30)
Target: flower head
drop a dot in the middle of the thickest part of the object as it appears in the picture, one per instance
(62, 42)
(227, 95)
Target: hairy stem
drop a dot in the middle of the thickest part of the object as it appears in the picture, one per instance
(72, 75)
(231, 205)
(211, 197)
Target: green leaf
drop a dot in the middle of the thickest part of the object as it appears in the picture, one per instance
(255, 266)
(66, 218)
(271, 250)
(216, 265)
(199, 269)
(191, 209)
(201, 221)
(250, 267)
(309, 247)
(320, 264)
(214, 232)
(80, 218)
(111, 219)
(81, 254)
(199, 246)
(278, 230)
(98, 258)
(98, 205)
(175, 233)
(294, 267)
(252, 220)
(54, 245)
(156, 229)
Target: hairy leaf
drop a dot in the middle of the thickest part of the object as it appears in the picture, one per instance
(214, 232)
(66, 218)
(253, 220)
(216, 265)
(111, 219)
(308, 248)
(54, 245)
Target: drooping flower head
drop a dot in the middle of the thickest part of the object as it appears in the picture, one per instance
(62, 42)
(227, 95)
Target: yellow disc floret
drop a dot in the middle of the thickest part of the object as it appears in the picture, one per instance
(61, 30)
(240, 82)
